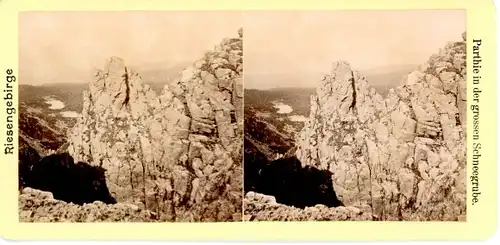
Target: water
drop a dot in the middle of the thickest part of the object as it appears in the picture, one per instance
(70, 114)
(298, 118)
(286, 109)
(54, 104)
(282, 108)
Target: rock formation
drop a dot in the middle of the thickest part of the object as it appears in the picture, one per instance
(403, 155)
(40, 206)
(259, 207)
(178, 153)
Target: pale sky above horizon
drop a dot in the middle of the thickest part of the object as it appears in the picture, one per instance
(301, 43)
(65, 46)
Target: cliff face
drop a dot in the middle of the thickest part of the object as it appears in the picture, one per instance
(403, 155)
(178, 153)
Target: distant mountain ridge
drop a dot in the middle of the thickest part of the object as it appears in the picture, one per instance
(382, 79)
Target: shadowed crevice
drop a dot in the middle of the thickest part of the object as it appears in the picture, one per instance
(78, 183)
(289, 182)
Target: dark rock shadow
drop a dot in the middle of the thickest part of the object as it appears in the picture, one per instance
(254, 161)
(78, 183)
(27, 156)
(289, 182)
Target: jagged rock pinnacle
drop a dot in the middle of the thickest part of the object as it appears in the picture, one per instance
(397, 154)
(177, 153)
(240, 32)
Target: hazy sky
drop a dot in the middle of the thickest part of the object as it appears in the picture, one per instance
(65, 46)
(294, 45)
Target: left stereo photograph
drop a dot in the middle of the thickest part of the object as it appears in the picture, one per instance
(130, 116)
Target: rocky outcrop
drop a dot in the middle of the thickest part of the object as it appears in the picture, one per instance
(40, 206)
(178, 153)
(259, 207)
(403, 155)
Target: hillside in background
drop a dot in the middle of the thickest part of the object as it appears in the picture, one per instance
(385, 78)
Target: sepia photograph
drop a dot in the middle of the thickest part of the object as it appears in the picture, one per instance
(355, 115)
(155, 120)
(133, 116)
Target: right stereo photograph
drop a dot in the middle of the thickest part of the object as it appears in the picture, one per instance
(355, 115)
